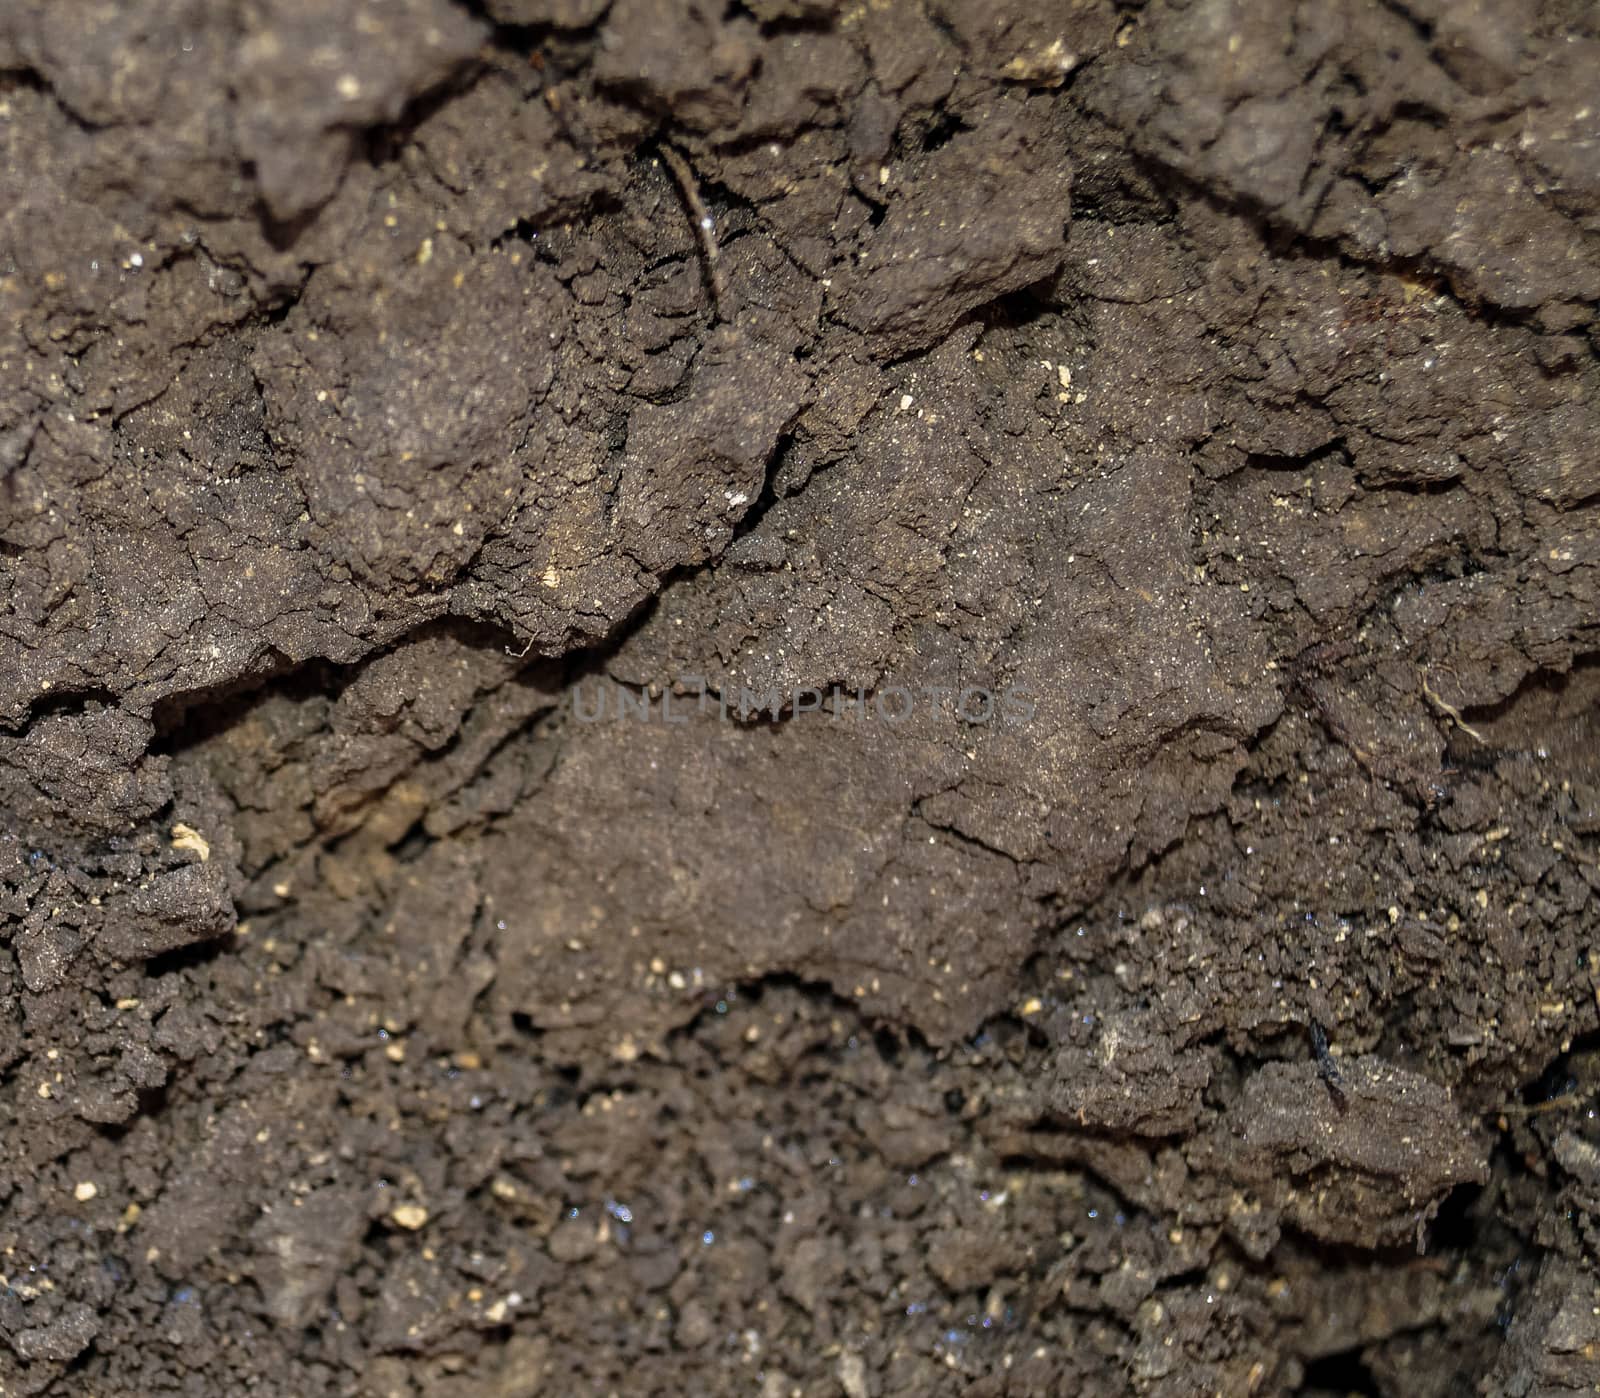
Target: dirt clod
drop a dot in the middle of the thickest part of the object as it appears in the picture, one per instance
(799, 698)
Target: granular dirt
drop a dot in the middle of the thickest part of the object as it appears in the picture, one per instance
(799, 697)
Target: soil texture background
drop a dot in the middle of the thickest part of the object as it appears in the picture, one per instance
(801, 697)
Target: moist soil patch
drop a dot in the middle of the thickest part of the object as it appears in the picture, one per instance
(799, 698)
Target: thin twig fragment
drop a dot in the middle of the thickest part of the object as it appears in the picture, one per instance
(705, 228)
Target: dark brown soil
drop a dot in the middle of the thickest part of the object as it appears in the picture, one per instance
(799, 697)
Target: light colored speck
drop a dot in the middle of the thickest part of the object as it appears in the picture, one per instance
(187, 837)
(411, 1216)
(851, 1372)
(85, 1190)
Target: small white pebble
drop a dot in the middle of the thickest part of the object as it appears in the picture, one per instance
(411, 1216)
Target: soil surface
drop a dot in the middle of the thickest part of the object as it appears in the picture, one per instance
(802, 697)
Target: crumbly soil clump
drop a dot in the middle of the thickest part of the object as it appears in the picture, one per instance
(799, 698)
